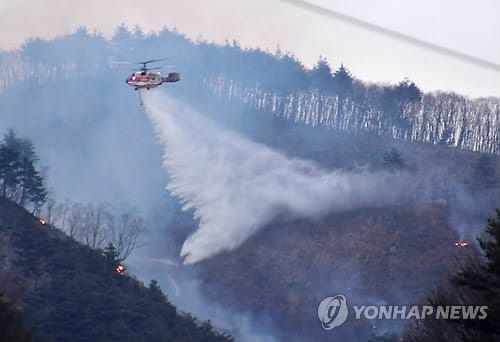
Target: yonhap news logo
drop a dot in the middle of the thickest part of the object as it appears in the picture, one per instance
(333, 312)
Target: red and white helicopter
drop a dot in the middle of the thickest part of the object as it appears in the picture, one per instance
(144, 78)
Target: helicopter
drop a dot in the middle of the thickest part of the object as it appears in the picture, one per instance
(145, 78)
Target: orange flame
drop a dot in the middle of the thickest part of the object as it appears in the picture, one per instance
(42, 221)
(120, 269)
(461, 244)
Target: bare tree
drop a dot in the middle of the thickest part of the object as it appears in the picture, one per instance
(125, 233)
(52, 211)
(65, 211)
(95, 225)
(75, 220)
(94, 231)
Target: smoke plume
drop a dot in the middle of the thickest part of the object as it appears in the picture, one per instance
(235, 186)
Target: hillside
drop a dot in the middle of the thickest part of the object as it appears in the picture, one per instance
(371, 255)
(11, 327)
(65, 291)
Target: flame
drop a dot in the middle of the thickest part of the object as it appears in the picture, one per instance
(461, 244)
(42, 221)
(120, 269)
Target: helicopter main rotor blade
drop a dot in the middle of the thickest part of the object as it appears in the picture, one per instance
(153, 61)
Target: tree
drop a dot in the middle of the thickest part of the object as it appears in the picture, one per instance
(407, 91)
(94, 225)
(393, 160)
(21, 181)
(125, 233)
(321, 75)
(52, 211)
(93, 232)
(75, 221)
(35, 190)
(342, 85)
(9, 169)
(110, 254)
(32, 186)
(342, 81)
(483, 279)
(395, 99)
(155, 289)
(476, 283)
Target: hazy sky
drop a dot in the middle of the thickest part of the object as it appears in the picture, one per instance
(470, 27)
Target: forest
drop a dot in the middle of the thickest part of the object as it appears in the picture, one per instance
(275, 83)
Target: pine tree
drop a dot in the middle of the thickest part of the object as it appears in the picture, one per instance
(10, 163)
(396, 98)
(37, 192)
(111, 255)
(12, 141)
(154, 287)
(9, 169)
(18, 172)
(407, 91)
(342, 80)
(477, 283)
(32, 185)
(321, 75)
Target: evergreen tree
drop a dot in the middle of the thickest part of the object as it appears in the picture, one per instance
(12, 141)
(321, 75)
(18, 172)
(9, 169)
(395, 99)
(393, 160)
(111, 254)
(155, 289)
(407, 91)
(32, 186)
(342, 80)
(483, 280)
(477, 283)
(37, 192)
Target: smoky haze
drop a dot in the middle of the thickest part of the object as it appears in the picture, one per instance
(469, 27)
(235, 186)
(93, 135)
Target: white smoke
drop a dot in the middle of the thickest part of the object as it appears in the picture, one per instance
(235, 186)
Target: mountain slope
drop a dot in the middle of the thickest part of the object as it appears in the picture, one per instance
(68, 292)
(371, 255)
(11, 328)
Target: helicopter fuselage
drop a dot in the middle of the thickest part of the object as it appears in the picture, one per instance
(148, 80)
